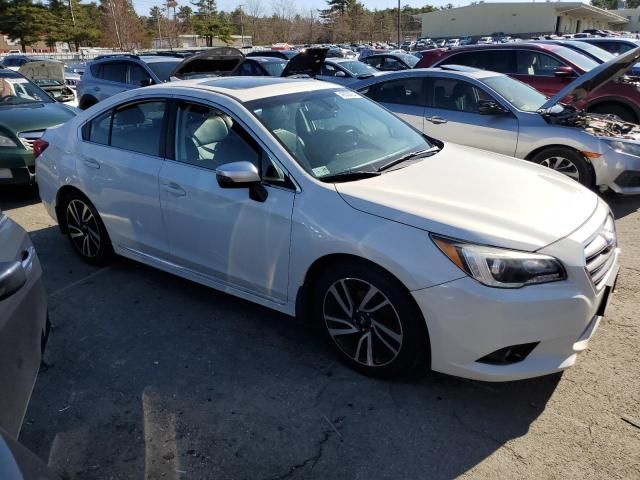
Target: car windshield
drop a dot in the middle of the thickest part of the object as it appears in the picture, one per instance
(17, 90)
(520, 95)
(577, 58)
(163, 69)
(275, 69)
(358, 68)
(597, 52)
(335, 131)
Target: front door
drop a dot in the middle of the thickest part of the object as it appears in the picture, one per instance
(452, 115)
(221, 232)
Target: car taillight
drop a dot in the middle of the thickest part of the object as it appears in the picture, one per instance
(39, 146)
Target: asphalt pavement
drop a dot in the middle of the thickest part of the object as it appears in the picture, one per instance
(153, 377)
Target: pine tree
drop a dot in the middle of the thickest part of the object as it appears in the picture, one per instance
(207, 22)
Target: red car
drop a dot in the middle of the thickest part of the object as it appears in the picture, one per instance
(546, 67)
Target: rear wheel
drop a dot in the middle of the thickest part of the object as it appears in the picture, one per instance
(625, 113)
(85, 230)
(568, 162)
(370, 320)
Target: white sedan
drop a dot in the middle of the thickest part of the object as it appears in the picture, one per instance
(310, 199)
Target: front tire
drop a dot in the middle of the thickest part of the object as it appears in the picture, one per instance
(370, 320)
(86, 231)
(568, 162)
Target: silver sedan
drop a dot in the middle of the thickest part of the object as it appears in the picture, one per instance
(494, 112)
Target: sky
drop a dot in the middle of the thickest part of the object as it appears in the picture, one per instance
(143, 6)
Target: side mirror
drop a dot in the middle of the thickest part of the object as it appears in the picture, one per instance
(564, 72)
(146, 82)
(340, 74)
(12, 278)
(242, 174)
(489, 107)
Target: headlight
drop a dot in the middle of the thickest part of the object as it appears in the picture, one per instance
(500, 268)
(7, 142)
(630, 148)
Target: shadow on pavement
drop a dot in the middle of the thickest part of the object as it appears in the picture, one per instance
(18, 196)
(622, 205)
(153, 375)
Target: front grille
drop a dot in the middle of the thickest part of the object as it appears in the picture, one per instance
(600, 252)
(27, 138)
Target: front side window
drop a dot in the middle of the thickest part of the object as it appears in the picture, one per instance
(114, 72)
(536, 64)
(392, 64)
(137, 75)
(458, 95)
(404, 91)
(375, 62)
(328, 70)
(208, 138)
(329, 132)
(493, 60)
(137, 127)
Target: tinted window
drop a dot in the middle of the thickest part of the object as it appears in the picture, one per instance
(138, 127)
(137, 74)
(494, 60)
(246, 69)
(98, 129)
(536, 63)
(453, 94)
(328, 70)
(114, 72)
(208, 138)
(391, 63)
(405, 91)
(375, 62)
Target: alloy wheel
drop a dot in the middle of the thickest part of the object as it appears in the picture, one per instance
(83, 228)
(362, 322)
(562, 165)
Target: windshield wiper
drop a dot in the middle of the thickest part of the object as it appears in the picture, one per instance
(349, 175)
(408, 156)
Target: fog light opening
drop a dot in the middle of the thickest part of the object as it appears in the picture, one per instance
(509, 355)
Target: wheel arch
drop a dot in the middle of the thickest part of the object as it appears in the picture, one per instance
(587, 160)
(615, 101)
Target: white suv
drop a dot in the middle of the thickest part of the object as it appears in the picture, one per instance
(312, 200)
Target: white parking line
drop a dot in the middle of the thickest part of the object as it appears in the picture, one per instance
(79, 282)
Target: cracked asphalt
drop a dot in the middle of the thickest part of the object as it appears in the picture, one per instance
(153, 377)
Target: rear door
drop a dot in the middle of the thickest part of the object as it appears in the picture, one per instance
(118, 163)
(452, 115)
(403, 96)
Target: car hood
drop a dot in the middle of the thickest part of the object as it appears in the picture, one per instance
(217, 62)
(477, 196)
(307, 62)
(26, 118)
(43, 71)
(585, 84)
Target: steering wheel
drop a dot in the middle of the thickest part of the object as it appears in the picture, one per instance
(355, 132)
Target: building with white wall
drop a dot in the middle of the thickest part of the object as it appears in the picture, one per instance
(521, 19)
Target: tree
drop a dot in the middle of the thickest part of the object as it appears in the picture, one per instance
(25, 22)
(183, 18)
(606, 4)
(207, 22)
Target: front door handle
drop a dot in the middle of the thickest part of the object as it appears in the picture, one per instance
(174, 189)
(91, 163)
(435, 119)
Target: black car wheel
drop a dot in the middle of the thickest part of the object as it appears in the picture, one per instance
(85, 230)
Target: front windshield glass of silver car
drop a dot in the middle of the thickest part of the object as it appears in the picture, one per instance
(520, 95)
(17, 90)
(331, 132)
(600, 53)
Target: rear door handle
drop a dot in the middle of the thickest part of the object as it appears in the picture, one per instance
(435, 119)
(91, 163)
(174, 189)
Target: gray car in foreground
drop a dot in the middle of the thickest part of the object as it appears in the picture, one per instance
(492, 111)
(23, 323)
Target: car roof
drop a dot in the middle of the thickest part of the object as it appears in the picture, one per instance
(340, 59)
(246, 89)
(450, 70)
(266, 59)
(159, 58)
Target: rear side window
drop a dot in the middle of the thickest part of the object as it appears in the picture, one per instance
(457, 95)
(137, 128)
(114, 72)
(404, 91)
(536, 63)
(501, 61)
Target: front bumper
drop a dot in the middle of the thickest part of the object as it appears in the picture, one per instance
(618, 171)
(17, 166)
(468, 321)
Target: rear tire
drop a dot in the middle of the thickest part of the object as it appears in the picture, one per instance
(370, 320)
(625, 113)
(568, 162)
(85, 230)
